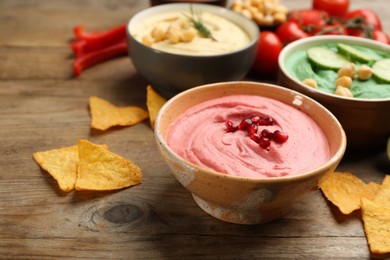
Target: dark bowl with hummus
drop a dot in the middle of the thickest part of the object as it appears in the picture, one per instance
(362, 105)
(179, 46)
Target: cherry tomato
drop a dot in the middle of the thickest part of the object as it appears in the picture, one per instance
(336, 28)
(290, 31)
(268, 49)
(309, 17)
(369, 17)
(332, 7)
(380, 36)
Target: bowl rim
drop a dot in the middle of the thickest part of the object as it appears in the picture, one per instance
(252, 27)
(323, 39)
(333, 160)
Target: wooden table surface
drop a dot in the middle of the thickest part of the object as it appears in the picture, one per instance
(43, 107)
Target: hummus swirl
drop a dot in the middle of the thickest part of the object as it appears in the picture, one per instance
(227, 36)
(200, 136)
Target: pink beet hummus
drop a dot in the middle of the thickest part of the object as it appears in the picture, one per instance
(201, 137)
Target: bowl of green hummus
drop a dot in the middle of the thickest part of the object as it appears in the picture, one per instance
(348, 75)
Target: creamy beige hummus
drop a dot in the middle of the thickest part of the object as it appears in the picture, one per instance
(227, 35)
(200, 136)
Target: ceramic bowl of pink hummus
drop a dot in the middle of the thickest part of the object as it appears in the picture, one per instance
(248, 151)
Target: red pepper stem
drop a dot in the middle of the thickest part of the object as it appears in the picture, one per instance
(83, 62)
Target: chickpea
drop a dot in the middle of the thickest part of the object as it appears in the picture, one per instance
(184, 24)
(263, 12)
(280, 17)
(348, 70)
(281, 9)
(158, 33)
(310, 82)
(246, 13)
(188, 35)
(344, 92)
(174, 36)
(269, 7)
(267, 20)
(364, 72)
(344, 81)
(237, 6)
(147, 40)
(258, 18)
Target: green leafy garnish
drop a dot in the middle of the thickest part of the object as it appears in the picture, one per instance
(199, 25)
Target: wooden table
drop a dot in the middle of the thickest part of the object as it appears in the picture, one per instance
(43, 107)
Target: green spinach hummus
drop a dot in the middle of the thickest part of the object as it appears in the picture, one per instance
(299, 66)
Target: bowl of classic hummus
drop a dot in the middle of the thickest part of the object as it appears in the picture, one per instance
(179, 46)
(348, 75)
(248, 151)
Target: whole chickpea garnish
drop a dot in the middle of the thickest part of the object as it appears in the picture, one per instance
(364, 72)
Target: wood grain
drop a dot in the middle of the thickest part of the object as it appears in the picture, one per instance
(43, 107)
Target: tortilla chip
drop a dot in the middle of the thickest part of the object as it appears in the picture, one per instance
(376, 221)
(105, 115)
(383, 194)
(345, 190)
(61, 164)
(100, 169)
(154, 102)
(373, 188)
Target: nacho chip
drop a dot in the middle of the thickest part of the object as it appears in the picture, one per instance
(100, 169)
(376, 222)
(345, 190)
(154, 102)
(61, 164)
(373, 189)
(105, 115)
(383, 194)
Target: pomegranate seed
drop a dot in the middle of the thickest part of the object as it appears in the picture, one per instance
(280, 137)
(251, 125)
(266, 133)
(230, 126)
(255, 137)
(264, 143)
(252, 129)
(268, 121)
(244, 124)
(256, 120)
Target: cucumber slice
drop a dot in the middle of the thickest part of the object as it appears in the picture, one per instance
(354, 54)
(381, 70)
(326, 59)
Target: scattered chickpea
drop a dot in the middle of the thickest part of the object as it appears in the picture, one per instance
(263, 12)
(344, 81)
(311, 83)
(342, 91)
(364, 72)
(348, 70)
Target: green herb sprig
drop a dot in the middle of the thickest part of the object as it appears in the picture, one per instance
(199, 25)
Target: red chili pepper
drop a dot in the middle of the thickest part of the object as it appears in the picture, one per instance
(91, 48)
(87, 60)
(98, 40)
